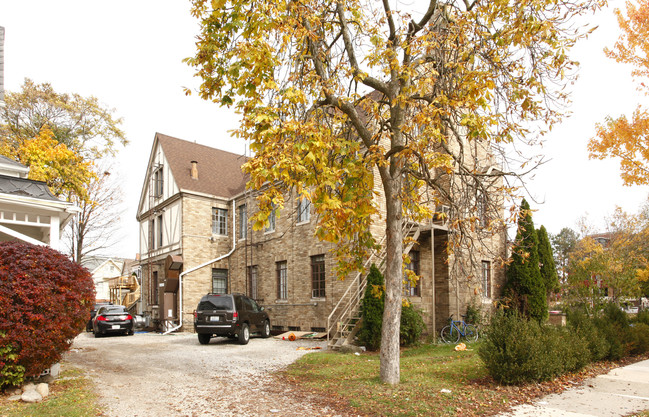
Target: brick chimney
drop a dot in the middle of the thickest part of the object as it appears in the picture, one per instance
(194, 171)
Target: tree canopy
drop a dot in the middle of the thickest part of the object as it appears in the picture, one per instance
(342, 100)
(611, 265)
(62, 138)
(625, 138)
(82, 124)
(563, 243)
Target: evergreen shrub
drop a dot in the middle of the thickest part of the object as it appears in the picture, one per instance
(581, 324)
(372, 304)
(639, 338)
(519, 350)
(412, 325)
(642, 317)
(45, 301)
(613, 326)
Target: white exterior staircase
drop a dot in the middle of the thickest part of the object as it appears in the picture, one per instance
(342, 323)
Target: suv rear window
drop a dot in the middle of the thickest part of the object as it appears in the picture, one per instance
(216, 303)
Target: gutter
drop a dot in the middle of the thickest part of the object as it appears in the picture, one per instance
(182, 274)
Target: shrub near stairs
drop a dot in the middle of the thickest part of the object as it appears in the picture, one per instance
(45, 301)
(369, 334)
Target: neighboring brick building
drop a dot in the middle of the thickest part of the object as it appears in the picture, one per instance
(193, 215)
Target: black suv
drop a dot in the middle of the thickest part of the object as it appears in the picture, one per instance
(231, 315)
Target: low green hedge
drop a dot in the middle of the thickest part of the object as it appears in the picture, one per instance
(518, 350)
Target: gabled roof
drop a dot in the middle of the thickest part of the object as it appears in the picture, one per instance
(219, 172)
(26, 188)
(12, 168)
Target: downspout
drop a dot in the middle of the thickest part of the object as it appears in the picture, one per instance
(182, 274)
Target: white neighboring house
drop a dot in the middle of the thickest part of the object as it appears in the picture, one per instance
(28, 210)
(103, 270)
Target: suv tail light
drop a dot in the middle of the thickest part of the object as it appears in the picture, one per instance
(101, 318)
(195, 315)
(235, 316)
(129, 317)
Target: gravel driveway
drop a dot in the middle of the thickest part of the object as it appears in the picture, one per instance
(151, 374)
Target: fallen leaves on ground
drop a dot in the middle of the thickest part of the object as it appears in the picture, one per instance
(498, 399)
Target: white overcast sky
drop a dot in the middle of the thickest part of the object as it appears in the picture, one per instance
(129, 55)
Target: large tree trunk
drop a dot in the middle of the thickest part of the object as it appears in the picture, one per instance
(390, 371)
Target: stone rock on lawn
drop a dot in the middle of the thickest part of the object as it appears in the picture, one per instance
(31, 396)
(43, 389)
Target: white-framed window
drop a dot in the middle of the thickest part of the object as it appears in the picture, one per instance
(282, 280)
(219, 221)
(318, 276)
(303, 210)
(243, 222)
(219, 281)
(272, 220)
(486, 279)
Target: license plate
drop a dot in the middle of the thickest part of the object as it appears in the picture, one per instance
(115, 326)
(214, 318)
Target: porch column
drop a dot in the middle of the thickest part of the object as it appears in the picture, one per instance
(55, 224)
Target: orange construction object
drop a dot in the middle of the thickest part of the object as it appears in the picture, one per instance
(291, 337)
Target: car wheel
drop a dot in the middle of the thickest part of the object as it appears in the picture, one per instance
(204, 339)
(265, 331)
(97, 334)
(244, 334)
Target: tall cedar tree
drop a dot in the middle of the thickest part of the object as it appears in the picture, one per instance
(372, 310)
(546, 260)
(524, 288)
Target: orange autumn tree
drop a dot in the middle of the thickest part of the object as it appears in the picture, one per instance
(64, 171)
(624, 138)
(336, 96)
(60, 137)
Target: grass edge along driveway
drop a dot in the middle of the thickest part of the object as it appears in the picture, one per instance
(436, 380)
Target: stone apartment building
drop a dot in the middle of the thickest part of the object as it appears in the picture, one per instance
(195, 238)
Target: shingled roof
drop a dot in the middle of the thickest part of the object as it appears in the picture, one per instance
(219, 172)
(25, 188)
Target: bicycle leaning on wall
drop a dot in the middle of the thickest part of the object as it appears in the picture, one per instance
(457, 329)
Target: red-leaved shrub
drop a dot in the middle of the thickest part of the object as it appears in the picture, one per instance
(45, 301)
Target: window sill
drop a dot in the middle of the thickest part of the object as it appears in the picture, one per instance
(281, 301)
(318, 299)
(303, 222)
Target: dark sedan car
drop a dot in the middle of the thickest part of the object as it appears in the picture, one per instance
(93, 313)
(112, 319)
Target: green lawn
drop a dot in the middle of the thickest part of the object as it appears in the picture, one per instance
(427, 374)
(71, 395)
